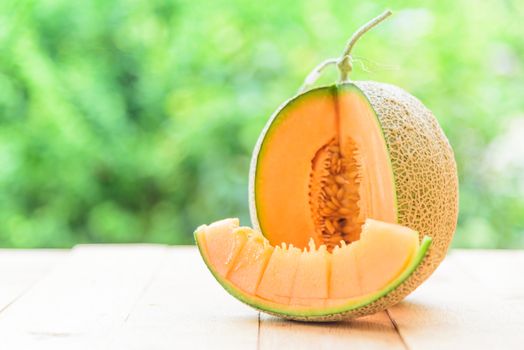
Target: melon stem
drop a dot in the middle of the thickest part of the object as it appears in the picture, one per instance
(344, 63)
(315, 73)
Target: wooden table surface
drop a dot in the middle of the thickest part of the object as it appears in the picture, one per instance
(159, 297)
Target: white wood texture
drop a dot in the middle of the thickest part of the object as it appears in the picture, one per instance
(81, 303)
(185, 308)
(371, 332)
(458, 309)
(20, 269)
(155, 297)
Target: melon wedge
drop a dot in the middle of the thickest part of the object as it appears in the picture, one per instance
(313, 283)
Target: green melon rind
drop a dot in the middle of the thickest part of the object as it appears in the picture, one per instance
(323, 314)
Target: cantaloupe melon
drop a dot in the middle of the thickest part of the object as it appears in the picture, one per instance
(327, 161)
(335, 155)
(313, 283)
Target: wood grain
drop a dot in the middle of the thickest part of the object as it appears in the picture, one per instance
(501, 272)
(21, 269)
(155, 297)
(79, 305)
(453, 310)
(371, 332)
(185, 308)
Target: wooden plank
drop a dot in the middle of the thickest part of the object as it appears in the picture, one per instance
(20, 269)
(185, 308)
(499, 271)
(136, 297)
(452, 310)
(371, 332)
(80, 304)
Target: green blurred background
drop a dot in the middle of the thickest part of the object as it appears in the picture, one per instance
(134, 120)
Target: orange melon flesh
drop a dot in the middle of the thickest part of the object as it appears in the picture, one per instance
(345, 280)
(250, 263)
(377, 267)
(291, 149)
(283, 205)
(222, 245)
(277, 281)
(357, 119)
(285, 277)
(311, 285)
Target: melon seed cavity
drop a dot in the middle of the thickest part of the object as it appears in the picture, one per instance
(334, 193)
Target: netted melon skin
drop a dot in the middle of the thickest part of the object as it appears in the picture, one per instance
(426, 182)
(423, 165)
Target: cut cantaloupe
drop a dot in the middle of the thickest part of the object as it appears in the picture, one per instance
(329, 161)
(285, 280)
(334, 156)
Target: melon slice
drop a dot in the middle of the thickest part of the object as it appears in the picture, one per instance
(311, 283)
